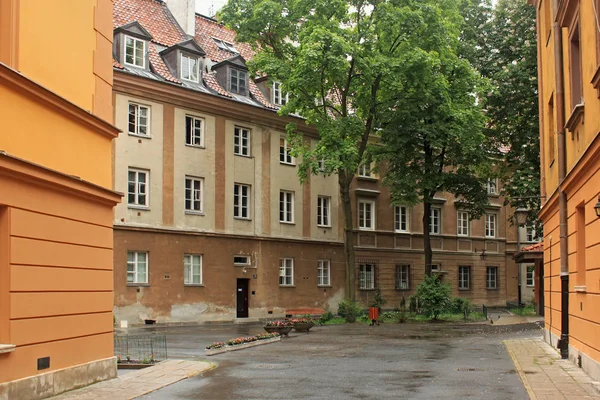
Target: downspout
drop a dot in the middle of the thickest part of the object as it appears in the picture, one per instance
(559, 94)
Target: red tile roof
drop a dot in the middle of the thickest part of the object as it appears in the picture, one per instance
(153, 15)
(117, 65)
(207, 29)
(533, 247)
(159, 65)
(211, 82)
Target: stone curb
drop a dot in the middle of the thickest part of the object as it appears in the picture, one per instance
(212, 352)
(530, 392)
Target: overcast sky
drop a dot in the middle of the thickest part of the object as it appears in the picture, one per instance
(209, 7)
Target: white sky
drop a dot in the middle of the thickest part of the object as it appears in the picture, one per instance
(209, 7)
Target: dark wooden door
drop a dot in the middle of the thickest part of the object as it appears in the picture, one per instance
(242, 298)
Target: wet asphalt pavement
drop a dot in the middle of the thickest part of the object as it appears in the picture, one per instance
(391, 361)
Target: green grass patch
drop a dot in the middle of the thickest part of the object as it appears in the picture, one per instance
(450, 317)
(528, 310)
(335, 321)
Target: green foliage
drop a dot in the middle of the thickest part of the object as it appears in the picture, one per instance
(378, 300)
(335, 321)
(350, 310)
(327, 316)
(434, 296)
(528, 310)
(461, 305)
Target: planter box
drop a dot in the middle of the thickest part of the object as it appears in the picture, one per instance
(212, 352)
(282, 330)
(303, 326)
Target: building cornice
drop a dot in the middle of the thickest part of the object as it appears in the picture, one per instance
(167, 93)
(13, 79)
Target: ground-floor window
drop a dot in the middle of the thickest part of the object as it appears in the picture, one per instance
(137, 267)
(366, 276)
(491, 278)
(464, 277)
(286, 272)
(530, 275)
(324, 273)
(192, 269)
(403, 276)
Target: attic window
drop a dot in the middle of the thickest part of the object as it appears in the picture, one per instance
(279, 97)
(135, 52)
(238, 81)
(225, 46)
(189, 68)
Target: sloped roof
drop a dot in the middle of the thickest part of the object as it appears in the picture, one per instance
(207, 29)
(533, 247)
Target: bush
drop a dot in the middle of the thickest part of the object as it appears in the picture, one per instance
(461, 306)
(433, 297)
(350, 310)
(327, 316)
(378, 300)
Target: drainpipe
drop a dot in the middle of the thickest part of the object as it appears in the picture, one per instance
(559, 94)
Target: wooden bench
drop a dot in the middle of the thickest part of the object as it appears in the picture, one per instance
(301, 312)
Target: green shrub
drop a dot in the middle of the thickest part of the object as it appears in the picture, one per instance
(378, 300)
(433, 297)
(350, 310)
(461, 306)
(327, 316)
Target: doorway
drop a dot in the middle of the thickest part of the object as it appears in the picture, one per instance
(242, 298)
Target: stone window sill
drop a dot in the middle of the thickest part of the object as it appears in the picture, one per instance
(7, 348)
(580, 289)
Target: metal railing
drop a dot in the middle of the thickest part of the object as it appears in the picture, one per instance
(144, 349)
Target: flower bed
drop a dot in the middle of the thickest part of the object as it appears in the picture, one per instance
(302, 324)
(282, 327)
(241, 343)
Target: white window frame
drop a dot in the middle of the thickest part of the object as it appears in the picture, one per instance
(241, 141)
(238, 76)
(491, 225)
(223, 45)
(278, 97)
(464, 277)
(194, 194)
(462, 223)
(189, 262)
(286, 272)
(435, 222)
(134, 267)
(241, 211)
(492, 186)
(401, 219)
(285, 157)
(324, 211)
(247, 263)
(138, 119)
(140, 188)
(187, 60)
(531, 234)
(286, 207)
(323, 273)
(135, 42)
(365, 170)
(364, 207)
(193, 133)
(530, 275)
(490, 283)
(366, 276)
(403, 276)
(436, 268)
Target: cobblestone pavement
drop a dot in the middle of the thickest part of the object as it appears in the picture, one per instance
(545, 375)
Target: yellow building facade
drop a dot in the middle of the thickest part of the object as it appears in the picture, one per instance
(569, 92)
(56, 202)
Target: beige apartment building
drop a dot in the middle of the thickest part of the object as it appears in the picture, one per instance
(215, 224)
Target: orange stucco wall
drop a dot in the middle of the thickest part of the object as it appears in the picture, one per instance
(581, 185)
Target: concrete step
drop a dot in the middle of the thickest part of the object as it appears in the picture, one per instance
(250, 320)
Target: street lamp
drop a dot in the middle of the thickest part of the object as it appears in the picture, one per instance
(521, 215)
(597, 207)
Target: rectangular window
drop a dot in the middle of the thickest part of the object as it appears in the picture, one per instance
(242, 261)
(225, 45)
(238, 81)
(366, 214)
(401, 219)
(241, 141)
(137, 187)
(462, 223)
(193, 194)
(435, 215)
(365, 170)
(137, 267)
(286, 206)
(490, 225)
(492, 186)
(194, 131)
(192, 269)
(366, 276)
(286, 272)
(532, 235)
(279, 98)
(403, 277)
(575, 68)
(551, 131)
(491, 278)
(189, 68)
(138, 120)
(580, 245)
(241, 201)
(285, 156)
(435, 268)
(323, 211)
(464, 277)
(324, 273)
(530, 276)
(135, 52)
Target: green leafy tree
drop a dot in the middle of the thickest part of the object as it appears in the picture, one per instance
(431, 131)
(332, 57)
(434, 296)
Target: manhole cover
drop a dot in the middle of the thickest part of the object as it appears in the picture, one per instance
(470, 369)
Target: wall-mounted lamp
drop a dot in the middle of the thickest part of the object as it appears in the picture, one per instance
(483, 255)
(597, 207)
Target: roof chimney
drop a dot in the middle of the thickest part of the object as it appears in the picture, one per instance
(184, 12)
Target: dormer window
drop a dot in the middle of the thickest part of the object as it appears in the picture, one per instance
(135, 52)
(225, 46)
(238, 81)
(279, 98)
(190, 67)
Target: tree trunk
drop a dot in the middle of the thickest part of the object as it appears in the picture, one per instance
(427, 237)
(344, 183)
